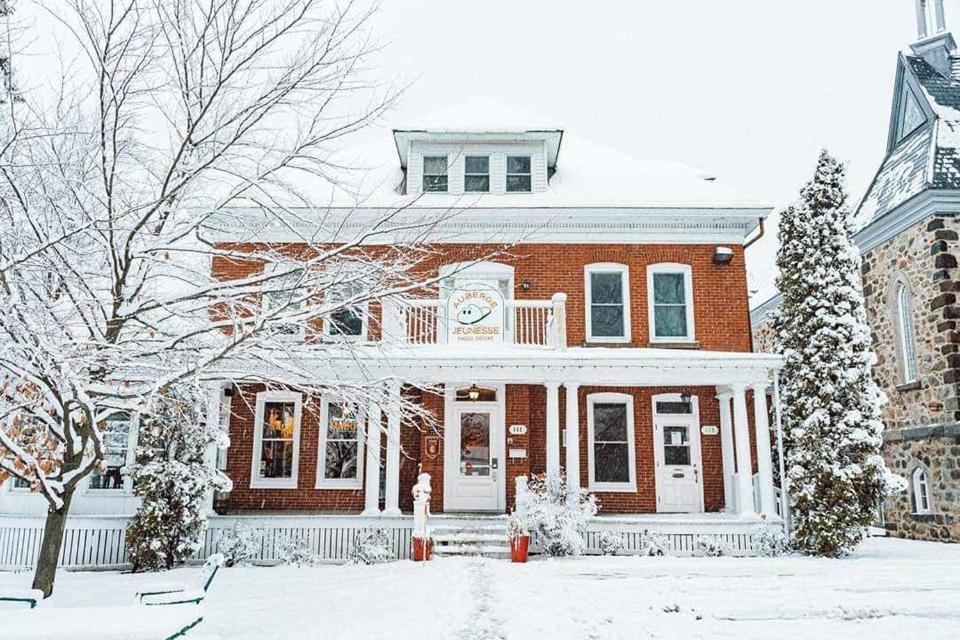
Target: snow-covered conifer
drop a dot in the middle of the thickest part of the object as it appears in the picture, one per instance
(173, 477)
(831, 405)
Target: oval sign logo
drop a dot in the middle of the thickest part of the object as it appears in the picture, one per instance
(475, 314)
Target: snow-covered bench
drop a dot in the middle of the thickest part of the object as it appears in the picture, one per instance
(166, 593)
(99, 623)
(21, 596)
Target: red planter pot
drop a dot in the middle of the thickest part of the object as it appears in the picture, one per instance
(519, 548)
(422, 549)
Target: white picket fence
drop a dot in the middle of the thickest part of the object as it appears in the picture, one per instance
(98, 541)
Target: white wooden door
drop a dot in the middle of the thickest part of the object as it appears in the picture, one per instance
(679, 469)
(473, 458)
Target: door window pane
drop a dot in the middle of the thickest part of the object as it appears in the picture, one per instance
(435, 173)
(611, 448)
(115, 434)
(277, 443)
(676, 445)
(518, 174)
(474, 444)
(669, 305)
(342, 444)
(606, 305)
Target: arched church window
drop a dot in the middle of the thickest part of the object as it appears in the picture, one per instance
(921, 491)
(906, 336)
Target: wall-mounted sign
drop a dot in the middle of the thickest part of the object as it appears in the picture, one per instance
(432, 446)
(518, 429)
(709, 430)
(475, 315)
(517, 453)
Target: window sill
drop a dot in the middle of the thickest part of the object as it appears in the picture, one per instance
(909, 386)
(923, 517)
(612, 488)
(609, 343)
(677, 344)
(352, 485)
(288, 484)
(113, 493)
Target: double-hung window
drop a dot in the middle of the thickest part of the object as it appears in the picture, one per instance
(670, 294)
(348, 321)
(115, 437)
(341, 447)
(608, 302)
(282, 298)
(435, 176)
(519, 177)
(276, 440)
(476, 174)
(612, 455)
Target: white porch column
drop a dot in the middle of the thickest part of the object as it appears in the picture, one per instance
(761, 421)
(726, 449)
(553, 428)
(371, 489)
(744, 466)
(573, 437)
(392, 501)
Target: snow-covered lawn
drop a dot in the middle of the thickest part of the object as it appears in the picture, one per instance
(889, 588)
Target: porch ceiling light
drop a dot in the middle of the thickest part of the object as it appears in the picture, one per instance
(473, 393)
(723, 255)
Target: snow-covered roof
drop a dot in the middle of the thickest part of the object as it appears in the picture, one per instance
(586, 174)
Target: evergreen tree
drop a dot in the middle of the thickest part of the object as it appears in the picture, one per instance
(831, 405)
(173, 478)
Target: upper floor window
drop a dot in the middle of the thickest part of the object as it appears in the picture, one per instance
(911, 114)
(670, 293)
(276, 440)
(476, 177)
(349, 320)
(905, 333)
(921, 491)
(281, 297)
(608, 302)
(435, 173)
(519, 178)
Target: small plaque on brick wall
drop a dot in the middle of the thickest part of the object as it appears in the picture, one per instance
(518, 453)
(709, 430)
(518, 429)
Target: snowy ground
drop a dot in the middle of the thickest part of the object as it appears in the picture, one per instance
(889, 588)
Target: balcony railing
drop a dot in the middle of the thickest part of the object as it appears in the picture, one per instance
(529, 323)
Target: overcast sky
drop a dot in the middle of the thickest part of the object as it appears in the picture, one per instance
(750, 90)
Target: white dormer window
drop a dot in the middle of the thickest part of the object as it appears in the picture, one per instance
(435, 176)
(518, 174)
(476, 174)
(911, 114)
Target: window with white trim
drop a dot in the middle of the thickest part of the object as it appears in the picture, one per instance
(611, 457)
(118, 449)
(905, 334)
(912, 116)
(476, 174)
(341, 447)
(276, 440)
(921, 491)
(670, 300)
(281, 296)
(348, 322)
(435, 174)
(519, 175)
(607, 292)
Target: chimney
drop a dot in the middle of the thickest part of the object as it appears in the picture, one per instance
(935, 43)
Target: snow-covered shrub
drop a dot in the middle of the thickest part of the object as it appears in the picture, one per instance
(653, 544)
(173, 479)
(712, 546)
(294, 551)
(558, 522)
(239, 544)
(770, 541)
(832, 424)
(372, 547)
(610, 543)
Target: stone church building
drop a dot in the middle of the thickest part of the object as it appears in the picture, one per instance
(909, 244)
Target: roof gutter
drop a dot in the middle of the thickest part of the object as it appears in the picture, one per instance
(759, 235)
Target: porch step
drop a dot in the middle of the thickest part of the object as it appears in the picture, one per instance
(471, 539)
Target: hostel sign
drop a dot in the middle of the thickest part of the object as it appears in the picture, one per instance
(475, 315)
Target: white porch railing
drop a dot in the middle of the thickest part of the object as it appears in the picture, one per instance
(529, 323)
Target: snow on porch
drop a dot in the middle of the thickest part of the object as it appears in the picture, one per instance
(887, 589)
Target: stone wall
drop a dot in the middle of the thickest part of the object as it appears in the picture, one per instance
(763, 335)
(920, 417)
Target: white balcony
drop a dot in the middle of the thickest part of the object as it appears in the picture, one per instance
(425, 321)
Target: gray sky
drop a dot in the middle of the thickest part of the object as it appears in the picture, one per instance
(750, 90)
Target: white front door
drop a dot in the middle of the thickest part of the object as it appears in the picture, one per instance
(473, 458)
(679, 476)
